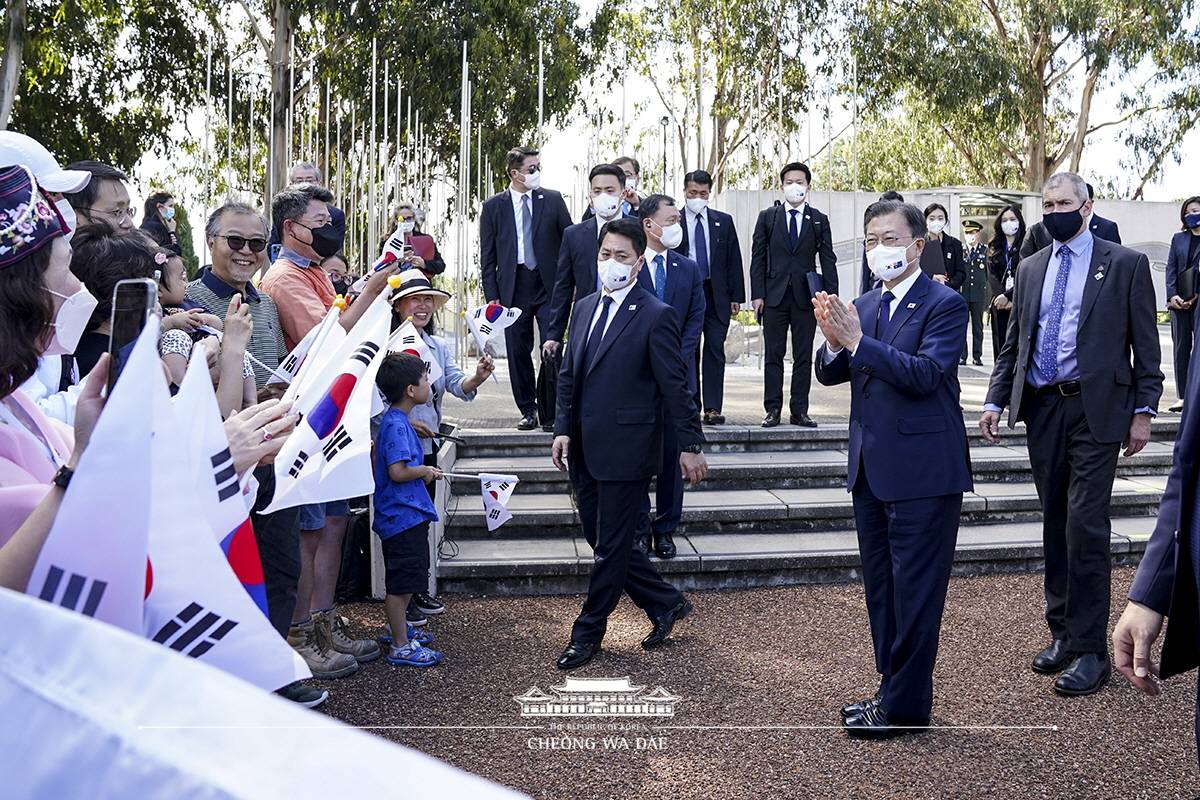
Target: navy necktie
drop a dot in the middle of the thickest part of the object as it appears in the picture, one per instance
(885, 313)
(701, 247)
(1048, 356)
(793, 230)
(660, 277)
(597, 334)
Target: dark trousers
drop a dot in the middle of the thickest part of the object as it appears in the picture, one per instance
(668, 490)
(1183, 333)
(710, 359)
(609, 512)
(999, 331)
(778, 320)
(278, 538)
(529, 296)
(976, 308)
(1074, 477)
(907, 549)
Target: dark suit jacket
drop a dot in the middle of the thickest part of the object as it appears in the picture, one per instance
(685, 295)
(613, 409)
(1117, 326)
(575, 272)
(1038, 237)
(774, 263)
(498, 241)
(1165, 580)
(954, 260)
(998, 264)
(724, 261)
(904, 394)
(1177, 261)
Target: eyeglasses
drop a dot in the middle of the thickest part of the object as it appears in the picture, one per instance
(888, 241)
(257, 245)
(120, 213)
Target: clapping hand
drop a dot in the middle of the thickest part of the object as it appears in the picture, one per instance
(839, 322)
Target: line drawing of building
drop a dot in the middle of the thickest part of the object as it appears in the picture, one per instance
(592, 697)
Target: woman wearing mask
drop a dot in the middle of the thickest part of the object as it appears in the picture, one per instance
(1182, 266)
(1003, 256)
(416, 300)
(426, 255)
(158, 221)
(335, 267)
(942, 259)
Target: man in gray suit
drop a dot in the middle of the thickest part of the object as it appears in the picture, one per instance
(1080, 366)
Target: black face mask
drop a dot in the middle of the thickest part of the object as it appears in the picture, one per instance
(341, 287)
(1063, 225)
(326, 240)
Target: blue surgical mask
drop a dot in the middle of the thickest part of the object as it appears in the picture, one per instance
(1192, 220)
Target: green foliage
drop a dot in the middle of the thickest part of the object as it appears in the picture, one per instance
(183, 232)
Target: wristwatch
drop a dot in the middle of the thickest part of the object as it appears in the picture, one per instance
(695, 449)
(62, 478)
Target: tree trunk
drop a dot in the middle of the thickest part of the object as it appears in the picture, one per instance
(281, 66)
(1085, 114)
(10, 66)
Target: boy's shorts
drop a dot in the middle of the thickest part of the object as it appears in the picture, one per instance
(312, 516)
(406, 561)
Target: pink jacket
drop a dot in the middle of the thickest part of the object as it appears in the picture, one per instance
(25, 472)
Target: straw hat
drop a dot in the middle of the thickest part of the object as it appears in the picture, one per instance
(413, 282)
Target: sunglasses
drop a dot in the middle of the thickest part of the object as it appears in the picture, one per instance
(238, 242)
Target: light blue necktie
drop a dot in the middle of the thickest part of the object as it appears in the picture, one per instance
(527, 232)
(660, 277)
(1048, 356)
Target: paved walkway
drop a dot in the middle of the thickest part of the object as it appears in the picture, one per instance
(761, 674)
(494, 407)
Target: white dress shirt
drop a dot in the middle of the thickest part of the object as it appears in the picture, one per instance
(518, 215)
(898, 293)
(787, 214)
(618, 297)
(690, 219)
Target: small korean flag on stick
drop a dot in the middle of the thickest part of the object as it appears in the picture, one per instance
(487, 322)
(496, 490)
(406, 339)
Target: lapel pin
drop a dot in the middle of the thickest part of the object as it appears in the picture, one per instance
(716, 224)
(912, 305)
(633, 308)
(1099, 275)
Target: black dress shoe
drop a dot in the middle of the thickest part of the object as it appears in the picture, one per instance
(664, 545)
(962, 362)
(642, 542)
(548, 428)
(873, 723)
(803, 420)
(527, 423)
(712, 417)
(977, 362)
(771, 419)
(1087, 673)
(855, 709)
(664, 624)
(577, 654)
(1053, 659)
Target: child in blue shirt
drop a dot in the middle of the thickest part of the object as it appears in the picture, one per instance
(403, 507)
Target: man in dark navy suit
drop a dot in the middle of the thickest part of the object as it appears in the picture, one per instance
(1166, 584)
(675, 280)
(581, 242)
(520, 232)
(711, 240)
(1039, 238)
(623, 379)
(788, 239)
(898, 347)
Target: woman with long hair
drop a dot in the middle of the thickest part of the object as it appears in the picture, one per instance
(1004, 253)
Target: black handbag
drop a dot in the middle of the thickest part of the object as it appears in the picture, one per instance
(1185, 286)
(547, 388)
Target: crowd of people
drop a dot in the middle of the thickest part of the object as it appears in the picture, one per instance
(632, 305)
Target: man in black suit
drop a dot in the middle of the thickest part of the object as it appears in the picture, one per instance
(623, 378)
(520, 232)
(581, 242)
(1080, 367)
(630, 199)
(1038, 237)
(1166, 584)
(710, 239)
(788, 238)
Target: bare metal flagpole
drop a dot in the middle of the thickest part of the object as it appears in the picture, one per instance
(541, 92)
(328, 119)
(229, 123)
(385, 162)
(373, 153)
(207, 143)
(291, 94)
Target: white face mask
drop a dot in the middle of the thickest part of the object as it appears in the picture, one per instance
(534, 181)
(605, 205)
(696, 204)
(794, 193)
(972, 239)
(68, 214)
(671, 235)
(407, 226)
(888, 263)
(1010, 227)
(937, 225)
(70, 321)
(631, 183)
(613, 274)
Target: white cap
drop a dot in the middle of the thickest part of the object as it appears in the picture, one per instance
(17, 148)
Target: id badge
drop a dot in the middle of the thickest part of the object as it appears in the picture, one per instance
(1009, 283)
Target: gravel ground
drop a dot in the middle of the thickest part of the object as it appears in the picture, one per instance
(780, 657)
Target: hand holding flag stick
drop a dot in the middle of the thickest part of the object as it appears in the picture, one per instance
(496, 491)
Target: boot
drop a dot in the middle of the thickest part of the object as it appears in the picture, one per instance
(336, 629)
(318, 653)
